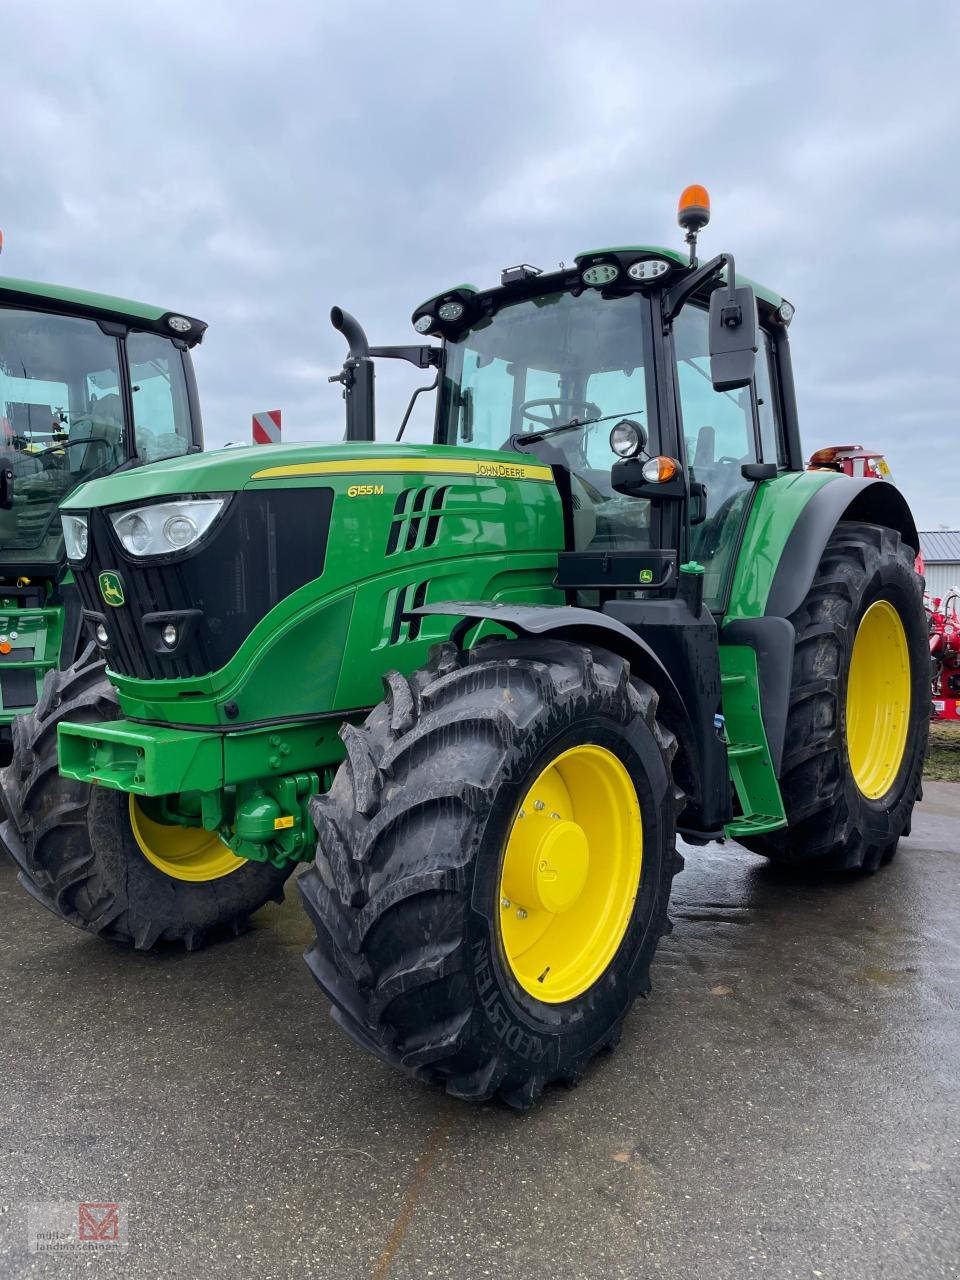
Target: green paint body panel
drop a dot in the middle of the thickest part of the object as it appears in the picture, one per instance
(747, 751)
(338, 633)
(54, 294)
(456, 288)
(672, 255)
(776, 509)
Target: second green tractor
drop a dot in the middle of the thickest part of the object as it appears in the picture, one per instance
(477, 687)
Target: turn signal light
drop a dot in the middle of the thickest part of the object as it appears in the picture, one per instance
(6, 647)
(660, 469)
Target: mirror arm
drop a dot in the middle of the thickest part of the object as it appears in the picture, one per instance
(674, 299)
(423, 357)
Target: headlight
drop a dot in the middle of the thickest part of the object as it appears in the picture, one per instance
(165, 527)
(75, 535)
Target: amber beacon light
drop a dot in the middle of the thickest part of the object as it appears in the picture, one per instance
(693, 208)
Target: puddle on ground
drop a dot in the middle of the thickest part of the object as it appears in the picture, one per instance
(884, 977)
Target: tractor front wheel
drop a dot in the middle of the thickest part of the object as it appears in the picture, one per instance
(857, 726)
(494, 865)
(96, 857)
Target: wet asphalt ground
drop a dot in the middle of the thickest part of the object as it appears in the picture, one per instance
(786, 1104)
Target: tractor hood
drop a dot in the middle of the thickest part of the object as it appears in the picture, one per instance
(312, 566)
(230, 470)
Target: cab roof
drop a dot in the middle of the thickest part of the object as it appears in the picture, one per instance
(566, 277)
(65, 300)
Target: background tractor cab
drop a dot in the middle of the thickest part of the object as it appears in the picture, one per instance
(88, 384)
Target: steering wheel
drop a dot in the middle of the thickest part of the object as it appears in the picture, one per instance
(561, 410)
(69, 444)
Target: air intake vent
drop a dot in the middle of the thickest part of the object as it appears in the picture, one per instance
(400, 602)
(416, 518)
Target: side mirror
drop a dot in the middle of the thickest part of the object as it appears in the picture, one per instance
(6, 488)
(734, 337)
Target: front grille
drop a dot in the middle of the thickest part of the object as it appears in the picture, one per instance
(268, 543)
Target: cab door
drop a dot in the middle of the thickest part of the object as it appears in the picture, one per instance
(719, 437)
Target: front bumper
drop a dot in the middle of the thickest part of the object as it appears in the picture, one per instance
(155, 760)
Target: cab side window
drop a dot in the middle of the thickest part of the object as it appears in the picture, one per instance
(718, 433)
(771, 437)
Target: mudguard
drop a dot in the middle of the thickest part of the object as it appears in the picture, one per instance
(771, 636)
(870, 501)
(563, 622)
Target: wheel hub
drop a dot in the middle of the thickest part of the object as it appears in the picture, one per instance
(878, 700)
(570, 873)
(552, 858)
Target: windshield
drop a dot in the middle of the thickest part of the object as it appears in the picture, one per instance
(62, 415)
(543, 363)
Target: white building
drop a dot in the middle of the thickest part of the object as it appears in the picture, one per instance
(940, 549)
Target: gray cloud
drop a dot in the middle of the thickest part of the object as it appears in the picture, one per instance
(254, 163)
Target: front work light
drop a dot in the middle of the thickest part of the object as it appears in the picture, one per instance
(450, 311)
(75, 535)
(627, 439)
(648, 268)
(600, 273)
(165, 527)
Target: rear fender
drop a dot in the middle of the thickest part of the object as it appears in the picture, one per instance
(771, 636)
(869, 501)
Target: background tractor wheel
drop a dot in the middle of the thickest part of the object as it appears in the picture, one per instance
(857, 726)
(95, 857)
(494, 865)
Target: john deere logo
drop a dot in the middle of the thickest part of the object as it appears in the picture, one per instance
(646, 575)
(111, 588)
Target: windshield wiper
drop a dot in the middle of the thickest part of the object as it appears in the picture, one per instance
(533, 437)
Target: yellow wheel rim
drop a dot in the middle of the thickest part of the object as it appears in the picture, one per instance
(185, 853)
(570, 874)
(878, 700)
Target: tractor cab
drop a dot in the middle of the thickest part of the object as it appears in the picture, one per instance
(89, 384)
(616, 372)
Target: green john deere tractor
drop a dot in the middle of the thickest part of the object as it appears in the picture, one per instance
(88, 385)
(479, 685)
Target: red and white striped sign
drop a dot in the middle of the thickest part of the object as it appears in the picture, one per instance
(266, 427)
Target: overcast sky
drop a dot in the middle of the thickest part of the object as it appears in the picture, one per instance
(252, 164)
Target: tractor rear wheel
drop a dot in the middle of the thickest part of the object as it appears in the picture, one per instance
(857, 726)
(494, 865)
(96, 857)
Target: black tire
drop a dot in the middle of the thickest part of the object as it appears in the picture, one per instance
(75, 847)
(404, 888)
(832, 825)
